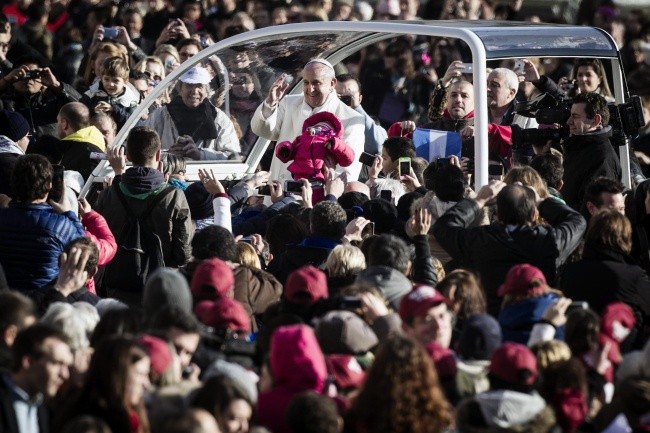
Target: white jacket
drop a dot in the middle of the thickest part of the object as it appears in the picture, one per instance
(285, 123)
(222, 147)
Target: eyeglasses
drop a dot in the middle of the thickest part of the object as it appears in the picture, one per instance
(152, 76)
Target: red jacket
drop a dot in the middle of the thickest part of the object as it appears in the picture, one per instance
(98, 231)
(297, 365)
(308, 151)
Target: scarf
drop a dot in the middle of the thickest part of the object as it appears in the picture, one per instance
(197, 122)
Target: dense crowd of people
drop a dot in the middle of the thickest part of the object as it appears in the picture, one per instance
(355, 282)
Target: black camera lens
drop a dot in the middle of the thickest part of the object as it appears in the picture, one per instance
(346, 99)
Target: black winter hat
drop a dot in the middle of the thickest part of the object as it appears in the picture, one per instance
(480, 336)
(13, 125)
(382, 213)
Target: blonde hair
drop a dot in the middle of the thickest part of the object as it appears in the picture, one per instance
(345, 260)
(141, 66)
(549, 352)
(246, 255)
(527, 176)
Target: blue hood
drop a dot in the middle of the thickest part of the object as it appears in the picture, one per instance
(517, 319)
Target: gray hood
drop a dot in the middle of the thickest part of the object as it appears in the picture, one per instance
(505, 409)
(391, 282)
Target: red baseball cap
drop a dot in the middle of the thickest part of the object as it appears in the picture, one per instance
(419, 301)
(224, 313)
(158, 351)
(523, 280)
(212, 279)
(514, 363)
(306, 285)
(346, 371)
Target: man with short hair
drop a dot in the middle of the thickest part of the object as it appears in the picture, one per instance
(281, 119)
(426, 316)
(327, 222)
(604, 193)
(549, 166)
(139, 185)
(32, 89)
(34, 233)
(11, 49)
(515, 238)
(17, 312)
(78, 140)
(588, 153)
(181, 328)
(349, 88)
(41, 361)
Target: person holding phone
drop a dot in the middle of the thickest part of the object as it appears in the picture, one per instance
(281, 118)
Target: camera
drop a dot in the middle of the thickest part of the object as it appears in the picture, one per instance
(521, 138)
(33, 74)
(626, 119)
(346, 99)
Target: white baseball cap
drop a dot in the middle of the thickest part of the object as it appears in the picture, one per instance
(196, 75)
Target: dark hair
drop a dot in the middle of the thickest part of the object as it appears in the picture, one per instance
(214, 241)
(516, 205)
(284, 229)
(310, 412)
(85, 243)
(399, 147)
(30, 59)
(107, 379)
(37, 10)
(391, 251)
(328, 219)
(119, 321)
(77, 115)
(342, 78)
(29, 342)
(594, 104)
(14, 309)
(449, 183)
(469, 294)
(595, 189)
(142, 144)
(174, 317)
(188, 41)
(581, 331)
(599, 70)
(549, 167)
(352, 198)
(32, 178)
(216, 394)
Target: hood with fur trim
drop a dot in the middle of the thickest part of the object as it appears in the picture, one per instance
(505, 411)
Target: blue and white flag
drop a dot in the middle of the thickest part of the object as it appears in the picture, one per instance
(432, 144)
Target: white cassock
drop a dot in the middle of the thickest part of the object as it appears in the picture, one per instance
(285, 123)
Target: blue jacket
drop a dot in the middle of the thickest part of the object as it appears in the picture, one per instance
(517, 319)
(32, 236)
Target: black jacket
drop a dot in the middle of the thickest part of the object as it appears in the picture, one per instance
(492, 250)
(604, 276)
(587, 157)
(8, 420)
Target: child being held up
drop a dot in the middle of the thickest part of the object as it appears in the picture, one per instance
(113, 94)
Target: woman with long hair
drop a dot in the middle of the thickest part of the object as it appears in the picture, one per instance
(227, 401)
(590, 77)
(401, 393)
(607, 273)
(154, 69)
(115, 386)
